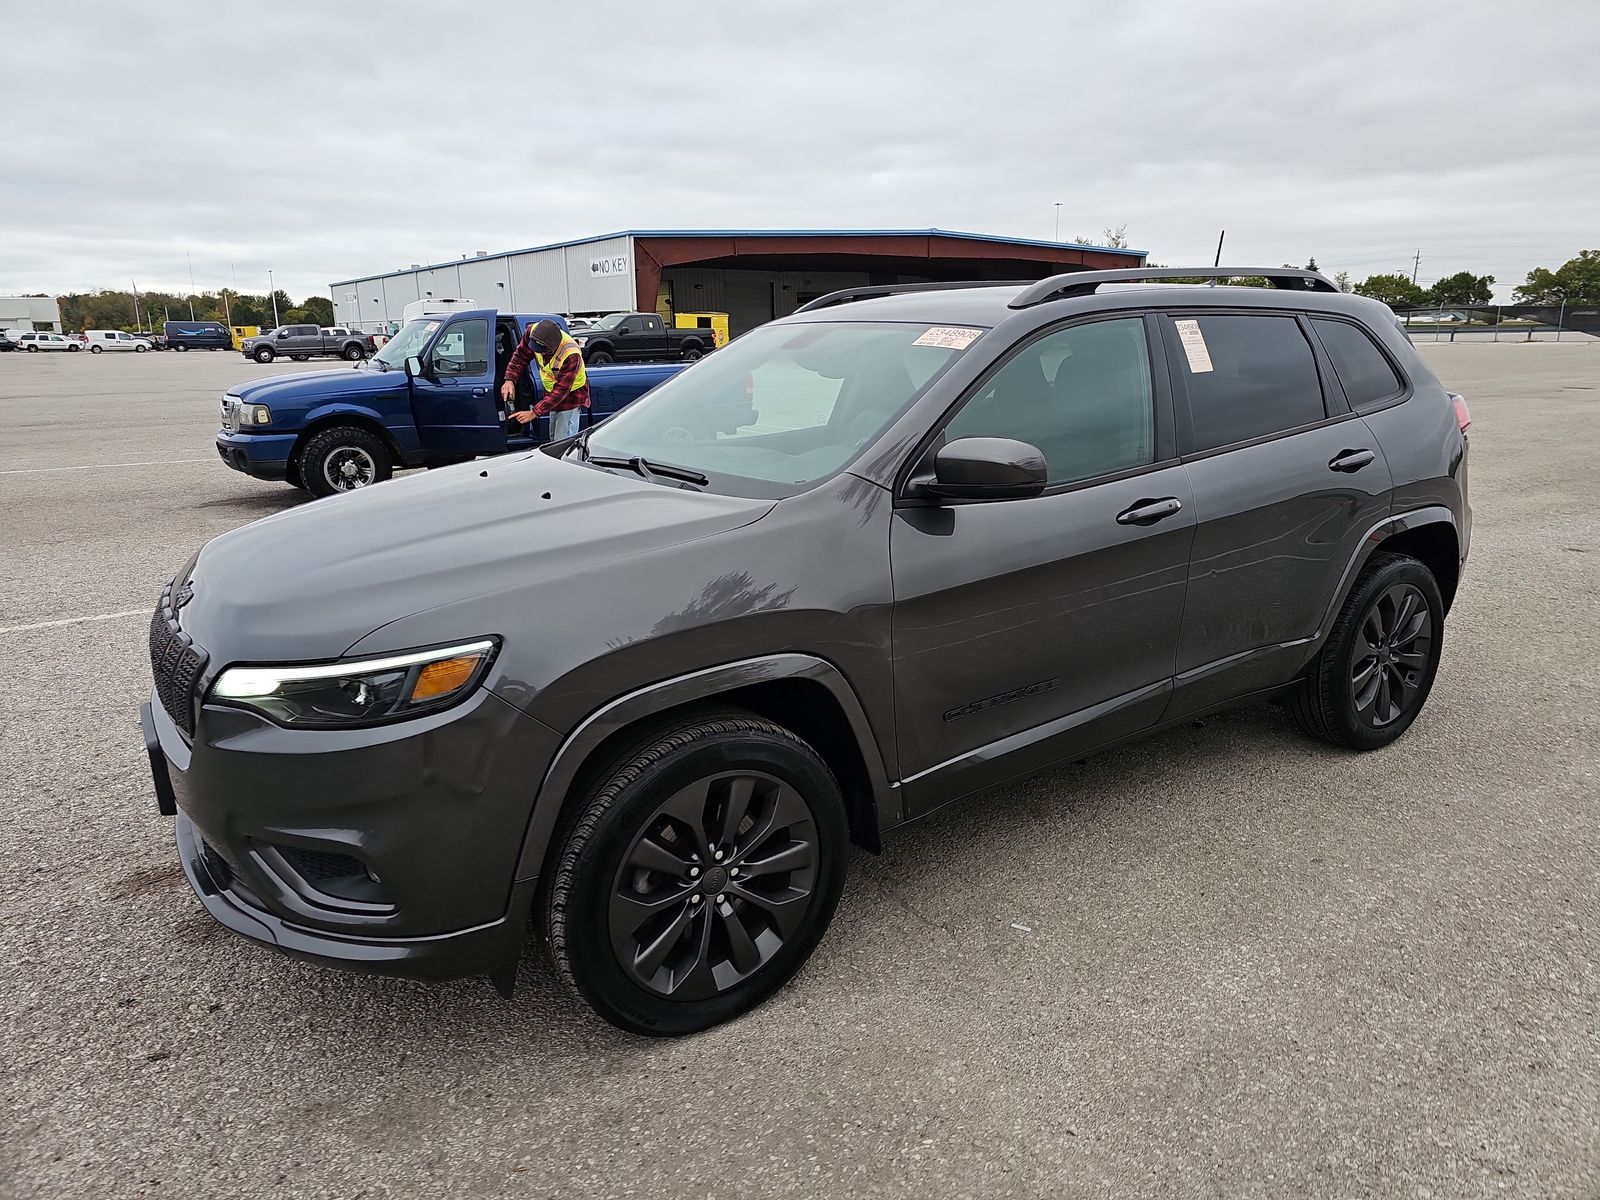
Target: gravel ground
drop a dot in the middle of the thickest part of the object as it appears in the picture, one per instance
(1223, 963)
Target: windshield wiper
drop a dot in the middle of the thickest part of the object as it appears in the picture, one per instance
(645, 468)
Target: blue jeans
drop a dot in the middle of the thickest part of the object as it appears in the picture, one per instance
(564, 424)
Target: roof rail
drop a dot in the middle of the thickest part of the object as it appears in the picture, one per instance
(851, 295)
(1084, 283)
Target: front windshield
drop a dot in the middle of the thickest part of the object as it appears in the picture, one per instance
(611, 322)
(406, 344)
(785, 406)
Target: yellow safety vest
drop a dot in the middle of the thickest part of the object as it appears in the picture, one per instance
(547, 366)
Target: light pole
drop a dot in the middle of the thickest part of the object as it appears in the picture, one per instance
(1058, 220)
(272, 291)
(190, 261)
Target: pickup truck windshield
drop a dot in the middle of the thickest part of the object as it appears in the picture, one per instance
(407, 342)
(612, 321)
(783, 407)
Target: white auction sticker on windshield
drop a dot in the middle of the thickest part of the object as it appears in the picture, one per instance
(1194, 345)
(948, 337)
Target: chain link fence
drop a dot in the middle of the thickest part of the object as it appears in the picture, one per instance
(1501, 322)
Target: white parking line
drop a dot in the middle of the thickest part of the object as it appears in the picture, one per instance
(154, 462)
(132, 612)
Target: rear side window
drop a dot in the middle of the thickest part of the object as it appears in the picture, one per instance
(1365, 374)
(1247, 377)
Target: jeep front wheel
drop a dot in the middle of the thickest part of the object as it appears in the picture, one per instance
(343, 459)
(697, 874)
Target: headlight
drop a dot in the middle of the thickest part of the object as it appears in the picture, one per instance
(360, 692)
(255, 414)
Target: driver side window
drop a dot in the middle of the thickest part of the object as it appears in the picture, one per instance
(463, 349)
(1081, 395)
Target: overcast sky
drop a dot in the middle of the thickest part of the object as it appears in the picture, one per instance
(329, 144)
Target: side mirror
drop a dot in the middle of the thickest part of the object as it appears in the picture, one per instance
(282, 333)
(413, 367)
(980, 468)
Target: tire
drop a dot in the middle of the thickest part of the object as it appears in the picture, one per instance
(263, 354)
(140, 349)
(33, 349)
(343, 459)
(693, 763)
(74, 349)
(1347, 702)
(291, 476)
(182, 347)
(599, 358)
(95, 349)
(299, 357)
(690, 353)
(354, 353)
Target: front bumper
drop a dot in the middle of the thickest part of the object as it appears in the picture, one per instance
(392, 849)
(261, 455)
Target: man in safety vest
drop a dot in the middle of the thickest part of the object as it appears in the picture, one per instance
(561, 369)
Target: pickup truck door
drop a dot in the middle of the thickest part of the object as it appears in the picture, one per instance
(651, 340)
(453, 397)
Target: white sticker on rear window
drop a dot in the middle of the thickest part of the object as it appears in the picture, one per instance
(948, 337)
(1194, 345)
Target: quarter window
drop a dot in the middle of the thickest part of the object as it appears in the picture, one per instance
(1365, 374)
(1080, 395)
(1247, 377)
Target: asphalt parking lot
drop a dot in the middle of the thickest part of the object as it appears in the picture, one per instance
(1226, 962)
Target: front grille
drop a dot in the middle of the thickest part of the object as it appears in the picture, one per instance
(230, 414)
(176, 663)
(315, 866)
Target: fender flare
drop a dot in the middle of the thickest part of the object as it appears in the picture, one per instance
(1434, 514)
(328, 414)
(577, 747)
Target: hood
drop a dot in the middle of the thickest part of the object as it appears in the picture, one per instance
(307, 584)
(345, 381)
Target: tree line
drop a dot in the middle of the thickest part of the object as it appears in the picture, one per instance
(107, 309)
(1576, 281)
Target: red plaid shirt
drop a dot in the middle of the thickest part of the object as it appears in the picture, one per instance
(563, 395)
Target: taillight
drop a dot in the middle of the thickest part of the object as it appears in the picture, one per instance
(1459, 403)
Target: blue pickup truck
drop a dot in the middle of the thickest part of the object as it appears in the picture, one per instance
(430, 397)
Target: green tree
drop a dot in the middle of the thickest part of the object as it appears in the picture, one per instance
(1342, 281)
(318, 309)
(1576, 281)
(1311, 264)
(1462, 288)
(1397, 291)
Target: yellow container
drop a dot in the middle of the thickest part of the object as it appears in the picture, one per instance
(240, 332)
(714, 321)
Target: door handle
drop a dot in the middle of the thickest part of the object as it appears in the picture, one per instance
(1148, 512)
(480, 391)
(1351, 460)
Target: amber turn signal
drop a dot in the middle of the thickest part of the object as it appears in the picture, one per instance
(443, 677)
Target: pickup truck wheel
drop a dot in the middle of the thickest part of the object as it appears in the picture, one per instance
(263, 354)
(1373, 674)
(690, 353)
(599, 358)
(354, 353)
(343, 459)
(697, 873)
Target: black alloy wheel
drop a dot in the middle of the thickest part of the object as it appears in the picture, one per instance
(1375, 670)
(698, 872)
(714, 884)
(1391, 655)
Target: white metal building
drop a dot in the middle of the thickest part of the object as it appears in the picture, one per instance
(40, 313)
(753, 275)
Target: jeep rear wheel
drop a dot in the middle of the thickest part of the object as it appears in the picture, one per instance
(263, 354)
(1374, 673)
(697, 873)
(343, 459)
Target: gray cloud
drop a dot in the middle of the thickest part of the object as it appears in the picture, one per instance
(329, 144)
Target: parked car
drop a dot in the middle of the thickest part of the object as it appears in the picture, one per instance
(36, 341)
(197, 335)
(96, 340)
(430, 397)
(643, 688)
(641, 337)
(300, 342)
(6, 344)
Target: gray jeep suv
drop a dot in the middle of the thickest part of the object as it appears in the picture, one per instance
(640, 690)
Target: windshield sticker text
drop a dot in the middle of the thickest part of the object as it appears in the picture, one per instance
(948, 337)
